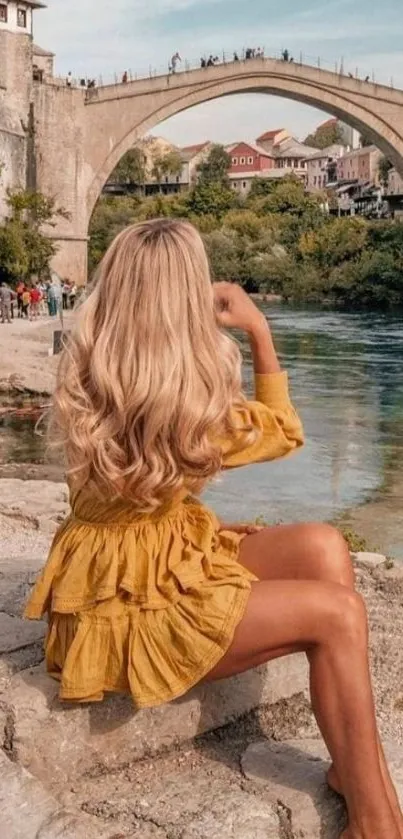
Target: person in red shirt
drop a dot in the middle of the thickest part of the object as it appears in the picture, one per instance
(36, 297)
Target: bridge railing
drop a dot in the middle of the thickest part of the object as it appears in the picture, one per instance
(128, 74)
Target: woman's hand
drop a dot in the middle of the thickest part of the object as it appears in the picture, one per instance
(242, 529)
(235, 309)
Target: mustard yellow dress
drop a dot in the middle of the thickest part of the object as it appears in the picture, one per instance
(148, 604)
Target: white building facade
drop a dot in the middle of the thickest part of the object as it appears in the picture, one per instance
(16, 15)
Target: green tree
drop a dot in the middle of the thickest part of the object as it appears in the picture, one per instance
(338, 241)
(214, 170)
(278, 239)
(172, 163)
(131, 169)
(386, 236)
(34, 208)
(384, 167)
(165, 166)
(260, 187)
(375, 280)
(210, 199)
(14, 260)
(24, 247)
(329, 134)
(246, 223)
(110, 216)
(223, 255)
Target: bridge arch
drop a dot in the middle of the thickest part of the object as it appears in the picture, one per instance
(80, 137)
(133, 113)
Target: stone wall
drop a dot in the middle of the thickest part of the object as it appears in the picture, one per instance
(15, 93)
(13, 153)
(62, 172)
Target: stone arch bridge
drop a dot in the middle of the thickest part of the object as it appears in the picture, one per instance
(81, 135)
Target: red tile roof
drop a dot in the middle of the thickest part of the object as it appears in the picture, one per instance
(251, 146)
(196, 148)
(329, 122)
(270, 135)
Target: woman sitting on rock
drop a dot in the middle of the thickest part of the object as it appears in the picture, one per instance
(146, 591)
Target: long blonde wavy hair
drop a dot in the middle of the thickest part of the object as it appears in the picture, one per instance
(147, 379)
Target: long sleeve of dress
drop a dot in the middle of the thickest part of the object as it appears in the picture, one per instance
(265, 429)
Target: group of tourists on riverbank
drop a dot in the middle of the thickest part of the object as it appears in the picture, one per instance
(33, 300)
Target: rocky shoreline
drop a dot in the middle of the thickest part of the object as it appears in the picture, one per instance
(28, 367)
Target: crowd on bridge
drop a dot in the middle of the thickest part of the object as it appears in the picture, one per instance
(176, 60)
(36, 299)
(205, 61)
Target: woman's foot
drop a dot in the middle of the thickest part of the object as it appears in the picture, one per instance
(385, 831)
(334, 784)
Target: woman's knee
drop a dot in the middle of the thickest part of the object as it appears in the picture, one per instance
(331, 552)
(346, 618)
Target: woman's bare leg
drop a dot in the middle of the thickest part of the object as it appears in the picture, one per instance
(328, 621)
(309, 552)
(298, 552)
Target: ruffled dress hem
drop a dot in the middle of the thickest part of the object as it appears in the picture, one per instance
(178, 689)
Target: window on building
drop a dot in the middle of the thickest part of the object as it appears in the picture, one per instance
(315, 180)
(234, 185)
(250, 161)
(242, 161)
(234, 161)
(243, 184)
(3, 13)
(22, 18)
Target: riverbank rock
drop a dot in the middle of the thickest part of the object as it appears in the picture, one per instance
(27, 811)
(57, 742)
(370, 560)
(24, 351)
(294, 774)
(42, 504)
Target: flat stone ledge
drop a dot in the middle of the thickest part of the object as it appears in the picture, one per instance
(59, 742)
(15, 633)
(28, 811)
(368, 559)
(293, 774)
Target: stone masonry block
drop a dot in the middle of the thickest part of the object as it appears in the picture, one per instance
(58, 742)
(28, 811)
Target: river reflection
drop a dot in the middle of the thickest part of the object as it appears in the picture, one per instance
(347, 383)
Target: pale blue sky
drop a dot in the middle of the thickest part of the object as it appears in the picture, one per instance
(93, 37)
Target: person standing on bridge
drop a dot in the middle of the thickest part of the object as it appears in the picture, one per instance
(174, 62)
(147, 592)
(125, 77)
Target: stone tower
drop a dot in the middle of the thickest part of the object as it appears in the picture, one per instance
(16, 67)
